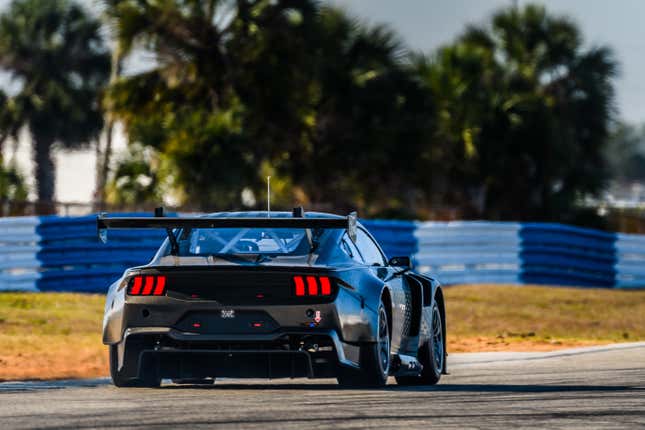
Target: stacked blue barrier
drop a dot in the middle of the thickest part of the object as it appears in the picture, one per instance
(630, 261)
(73, 259)
(395, 237)
(567, 255)
(19, 244)
(63, 253)
(469, 251)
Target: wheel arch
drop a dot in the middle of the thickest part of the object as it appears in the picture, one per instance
(386, 298)
(441, 303)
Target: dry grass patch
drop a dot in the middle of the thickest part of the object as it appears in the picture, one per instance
(51, 335)
(520, 318)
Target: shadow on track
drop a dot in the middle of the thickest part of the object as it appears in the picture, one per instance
(472, 388)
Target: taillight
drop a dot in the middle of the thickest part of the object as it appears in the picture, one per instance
(325, 286)
(300, 286)
(152, 285)
(312, 286)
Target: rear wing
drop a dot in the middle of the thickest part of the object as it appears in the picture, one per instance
(103, 223)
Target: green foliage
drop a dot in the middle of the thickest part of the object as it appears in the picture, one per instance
(53, 48)
(368, 121)
(12, 184)
(307, 92)
(524, 113)
(508, 122)
(135, 178)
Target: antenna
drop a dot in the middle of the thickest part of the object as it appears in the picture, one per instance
(268, 196)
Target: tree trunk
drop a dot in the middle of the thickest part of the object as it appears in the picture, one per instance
(103, 160)
(45, 172)
(98, 156)
(103, 165)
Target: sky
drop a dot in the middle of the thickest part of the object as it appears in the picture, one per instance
(424, 25)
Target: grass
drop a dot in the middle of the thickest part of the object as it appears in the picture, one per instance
(494, 317)
(44, 335)
(58, 335)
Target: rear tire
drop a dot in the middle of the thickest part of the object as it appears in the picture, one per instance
(431, 355)
(149, 379)
(374, 359)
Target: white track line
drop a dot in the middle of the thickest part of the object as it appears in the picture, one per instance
(470, 358)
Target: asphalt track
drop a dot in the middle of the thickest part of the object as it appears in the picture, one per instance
(602, 387)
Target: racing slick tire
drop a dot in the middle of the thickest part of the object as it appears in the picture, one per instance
(431, 355)
(149, 379)
(374, 359)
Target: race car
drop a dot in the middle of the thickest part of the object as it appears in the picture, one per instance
(271, 295)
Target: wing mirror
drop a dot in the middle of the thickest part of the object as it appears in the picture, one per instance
(400, 262)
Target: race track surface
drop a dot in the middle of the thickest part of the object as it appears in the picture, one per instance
(601, 387)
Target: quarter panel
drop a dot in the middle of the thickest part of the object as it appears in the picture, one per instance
(113, 316)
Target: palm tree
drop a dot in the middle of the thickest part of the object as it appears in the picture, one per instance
(55, 51)
(528, 110)
(218, 71)
(302, 90)
(370, 117)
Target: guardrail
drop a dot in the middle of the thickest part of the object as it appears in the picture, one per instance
(63, 254)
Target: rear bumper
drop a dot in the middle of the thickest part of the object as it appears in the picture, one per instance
(282, 354)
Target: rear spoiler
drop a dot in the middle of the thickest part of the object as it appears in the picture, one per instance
(103, 223)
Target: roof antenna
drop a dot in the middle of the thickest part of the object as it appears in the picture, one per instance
(268, 196)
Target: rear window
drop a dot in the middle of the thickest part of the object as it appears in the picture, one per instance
(245, 241)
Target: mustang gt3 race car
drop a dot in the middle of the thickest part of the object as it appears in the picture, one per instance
(271, 295)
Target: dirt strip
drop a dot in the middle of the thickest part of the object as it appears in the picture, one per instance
(73, 361)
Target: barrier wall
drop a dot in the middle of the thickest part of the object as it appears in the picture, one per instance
(630, 261)
(53, 253)
(64, 254)
(469, 252)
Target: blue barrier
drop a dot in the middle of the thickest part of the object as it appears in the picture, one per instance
(630, 261)
(72, 258)
(395, 237)
(566, 255)
(469, 251)
(63, 253)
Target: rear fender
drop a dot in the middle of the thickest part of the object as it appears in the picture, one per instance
(358, 301)
(113, 315)
(432, 292)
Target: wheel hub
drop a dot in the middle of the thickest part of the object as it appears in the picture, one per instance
(437, 340)
(383, 342)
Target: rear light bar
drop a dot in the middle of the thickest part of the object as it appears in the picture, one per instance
(312, 286)
(147, 285)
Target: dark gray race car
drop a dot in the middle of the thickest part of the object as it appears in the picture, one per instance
(246, 295)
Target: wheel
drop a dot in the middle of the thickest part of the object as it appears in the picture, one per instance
(431, 355)
(149, 379)
(374, 358)
(194, 381)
